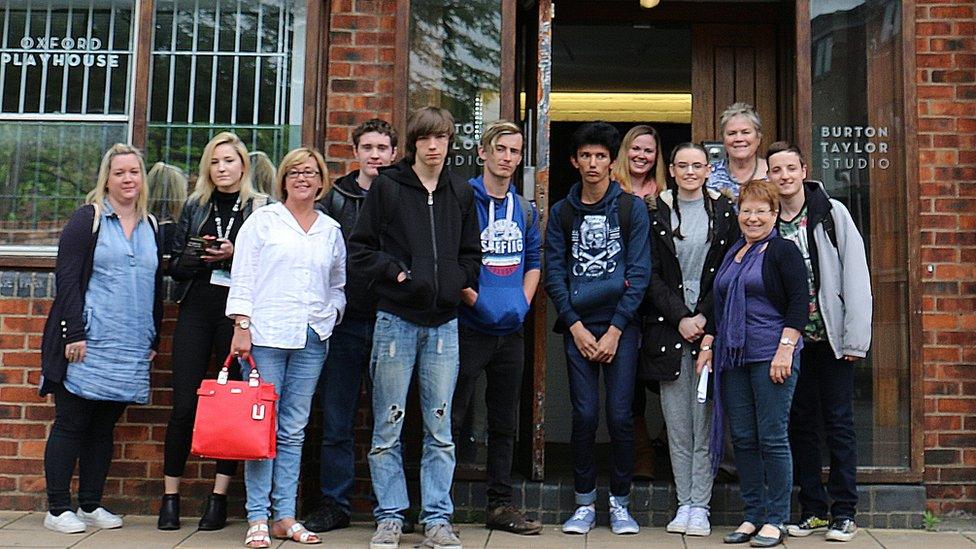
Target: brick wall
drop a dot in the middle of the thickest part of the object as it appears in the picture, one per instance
(946, 59)
(362, 37)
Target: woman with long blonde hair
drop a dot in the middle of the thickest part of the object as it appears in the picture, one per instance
(203, 249)
(637, 168)
(95, 354)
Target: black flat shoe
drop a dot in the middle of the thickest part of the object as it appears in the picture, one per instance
(764, 541)
(215, 515)
(739, 537)
(169, 513)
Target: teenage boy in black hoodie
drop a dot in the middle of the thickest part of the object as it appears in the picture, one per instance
(374, 144)
(598, 264)
(418, 241)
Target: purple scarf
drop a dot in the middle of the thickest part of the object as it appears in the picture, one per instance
(730, 339)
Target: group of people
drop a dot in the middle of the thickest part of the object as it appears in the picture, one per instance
(713, 284)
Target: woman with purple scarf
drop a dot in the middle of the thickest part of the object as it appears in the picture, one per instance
(753, 349)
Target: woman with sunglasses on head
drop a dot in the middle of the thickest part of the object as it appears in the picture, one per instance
(222, 199)
(691, 229)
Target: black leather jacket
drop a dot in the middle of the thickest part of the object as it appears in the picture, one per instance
(192, 218)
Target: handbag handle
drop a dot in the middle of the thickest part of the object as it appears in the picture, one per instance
(254, 378)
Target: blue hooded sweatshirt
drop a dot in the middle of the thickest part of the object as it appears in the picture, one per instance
(510, 246)
(595, 274)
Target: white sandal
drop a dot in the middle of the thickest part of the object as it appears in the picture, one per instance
(257, 536)
(304, 535)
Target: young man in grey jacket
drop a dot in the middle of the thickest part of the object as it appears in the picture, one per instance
(837, 334)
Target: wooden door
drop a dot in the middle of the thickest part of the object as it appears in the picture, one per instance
(730, 63)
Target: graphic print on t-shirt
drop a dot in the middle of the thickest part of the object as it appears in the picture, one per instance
(501, 246)
(595, 245)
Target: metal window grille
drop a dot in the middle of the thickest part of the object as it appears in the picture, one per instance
(224, 65)
(66, 61)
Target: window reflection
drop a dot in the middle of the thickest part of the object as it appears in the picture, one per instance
(858, 153)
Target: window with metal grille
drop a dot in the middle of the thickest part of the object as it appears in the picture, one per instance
(228, 65)
(65, 96)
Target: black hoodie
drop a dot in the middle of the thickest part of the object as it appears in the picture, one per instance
(434, 237)
(343, 203)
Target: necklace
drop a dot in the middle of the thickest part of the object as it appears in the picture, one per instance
(755, 169)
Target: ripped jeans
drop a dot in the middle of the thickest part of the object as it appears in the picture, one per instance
(398, 346)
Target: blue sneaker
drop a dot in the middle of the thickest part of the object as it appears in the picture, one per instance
(620, 520)
(582, 520)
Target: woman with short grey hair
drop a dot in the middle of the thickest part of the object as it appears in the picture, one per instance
(741, 137)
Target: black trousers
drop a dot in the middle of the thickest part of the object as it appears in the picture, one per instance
(82, 434)
(202, 329)
(502, 359)
(824, 390)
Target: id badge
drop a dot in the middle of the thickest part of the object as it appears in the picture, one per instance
(220, 277)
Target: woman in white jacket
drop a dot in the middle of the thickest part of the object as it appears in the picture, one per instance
(285, 298)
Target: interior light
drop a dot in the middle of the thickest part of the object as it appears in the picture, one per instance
(648, 4)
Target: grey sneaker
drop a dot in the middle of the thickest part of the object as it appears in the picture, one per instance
(100, 518)
(66, 523)
(441, 536)
(843, 529)
(387, 535)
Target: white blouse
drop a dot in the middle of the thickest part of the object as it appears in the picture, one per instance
(285, 279)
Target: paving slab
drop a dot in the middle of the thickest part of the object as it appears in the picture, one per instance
(42, 538)
(6, 517)
(551, 537)
(137, 531)
(862, 540)
(231, 535)
(657, 538)
(913, 539)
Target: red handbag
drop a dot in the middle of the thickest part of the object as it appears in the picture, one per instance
(235, 419)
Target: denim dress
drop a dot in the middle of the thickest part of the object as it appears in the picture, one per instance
(119, 328)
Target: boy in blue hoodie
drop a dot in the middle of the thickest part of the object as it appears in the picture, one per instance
(598, 264)
(490, 318)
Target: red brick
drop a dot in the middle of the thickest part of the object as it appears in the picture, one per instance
(20, 394)
(14, 306)
(951, 12)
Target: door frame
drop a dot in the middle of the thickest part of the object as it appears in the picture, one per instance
(794, 104)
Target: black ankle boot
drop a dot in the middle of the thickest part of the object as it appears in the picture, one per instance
(169, 513)
(215, 515)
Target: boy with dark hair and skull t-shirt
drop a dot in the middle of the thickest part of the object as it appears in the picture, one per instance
(598, 264)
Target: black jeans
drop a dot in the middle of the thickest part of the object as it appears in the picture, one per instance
(82, 434)
(202, 329)
(502, 359)
(825, 389)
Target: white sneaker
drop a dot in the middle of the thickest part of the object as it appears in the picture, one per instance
(100, 518)
(679, 524)
(66, 523)
(698, 524)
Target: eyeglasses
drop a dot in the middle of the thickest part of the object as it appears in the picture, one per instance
(295, 174)
(682, 166)
(758, 213)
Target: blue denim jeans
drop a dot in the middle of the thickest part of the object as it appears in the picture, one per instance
(399, 346)
(339, 384)
(759, 413)
(584, 392)
(272, 484)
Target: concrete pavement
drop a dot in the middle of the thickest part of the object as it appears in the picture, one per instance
(21, 529)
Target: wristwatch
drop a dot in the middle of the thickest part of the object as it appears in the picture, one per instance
(787, 341)
(243, 324)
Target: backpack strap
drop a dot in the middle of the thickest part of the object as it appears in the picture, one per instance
(624, 206)
(829, 227)
(527, 209)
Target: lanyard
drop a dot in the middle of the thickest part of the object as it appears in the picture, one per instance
(230, 224)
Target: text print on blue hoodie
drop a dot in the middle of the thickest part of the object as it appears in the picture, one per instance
(510, 246)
